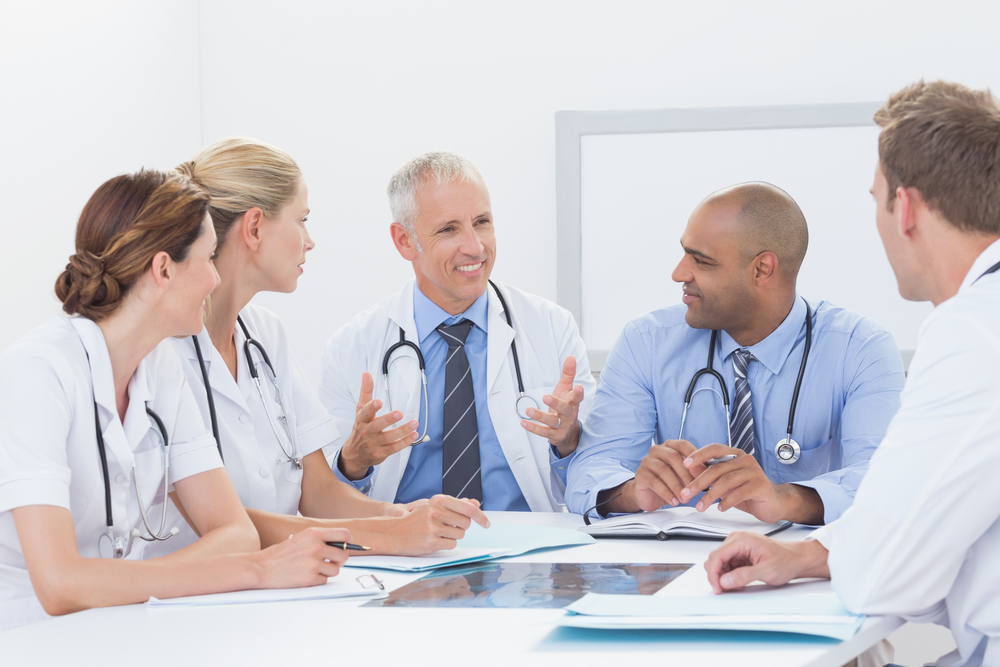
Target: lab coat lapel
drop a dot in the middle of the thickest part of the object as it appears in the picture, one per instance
(223, 383)
(500, 336)
(404, 385)
(502, 390)
(102, 378)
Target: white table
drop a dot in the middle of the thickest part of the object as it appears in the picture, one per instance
(338, 633)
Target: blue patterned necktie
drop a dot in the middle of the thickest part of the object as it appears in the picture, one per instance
(460, 465)
(742, 419)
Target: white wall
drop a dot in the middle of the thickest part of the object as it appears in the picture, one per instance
(88, 90)
(352, 90)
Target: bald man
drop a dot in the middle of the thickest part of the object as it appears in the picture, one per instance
(743, 247)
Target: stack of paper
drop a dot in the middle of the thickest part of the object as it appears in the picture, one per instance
(809, 614)
(344, 585)
(683, 522)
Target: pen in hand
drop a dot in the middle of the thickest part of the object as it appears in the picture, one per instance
(347, 546)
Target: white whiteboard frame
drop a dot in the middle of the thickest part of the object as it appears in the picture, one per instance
(571, 126)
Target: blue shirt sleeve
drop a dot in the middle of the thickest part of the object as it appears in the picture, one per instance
(364, 485)
(620, 427)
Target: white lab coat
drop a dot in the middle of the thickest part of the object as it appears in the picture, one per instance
(923, 535)
(49, 381)
(257, 465)
(545, 334)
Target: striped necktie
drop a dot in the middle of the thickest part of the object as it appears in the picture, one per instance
(460, 466)
(742, 419)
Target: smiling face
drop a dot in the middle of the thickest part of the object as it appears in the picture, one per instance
(195, 279)
(454, 230)
(714, 272)
(284, 242)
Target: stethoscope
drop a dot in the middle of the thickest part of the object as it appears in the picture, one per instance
(787, 451)
(522, 403)
(118, 543)
(992, 269)
(250, 344)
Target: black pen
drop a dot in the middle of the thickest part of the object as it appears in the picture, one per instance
(347, 546)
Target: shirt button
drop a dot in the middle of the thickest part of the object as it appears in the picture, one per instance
(264, 472)
(121, 479)
(244, 418)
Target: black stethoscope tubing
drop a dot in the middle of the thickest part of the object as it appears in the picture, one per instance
(420, 357)
(211, 400)
(252, 367)
(109, 519)
(248, 341)
(992, 269)
(709, 370)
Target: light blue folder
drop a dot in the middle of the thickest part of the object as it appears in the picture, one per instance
(809, 614)
(479, 544)
(517, 540)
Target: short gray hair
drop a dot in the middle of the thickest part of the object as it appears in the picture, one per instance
(443, 167)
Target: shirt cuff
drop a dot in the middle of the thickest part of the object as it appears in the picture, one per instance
(364, 485)
(560, 465)
(609, 482)
(833, 496)
(823, 535)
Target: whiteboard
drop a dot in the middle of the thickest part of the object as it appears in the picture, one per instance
(636, 191)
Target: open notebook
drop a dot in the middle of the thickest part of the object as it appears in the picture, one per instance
(684, 522)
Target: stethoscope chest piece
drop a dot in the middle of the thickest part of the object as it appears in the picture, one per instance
(787, 451)
(117, 546)
(522, 404)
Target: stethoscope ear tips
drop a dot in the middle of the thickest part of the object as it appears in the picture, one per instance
(426, 438)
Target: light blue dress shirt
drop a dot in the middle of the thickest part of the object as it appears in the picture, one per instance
(849, 394)
(422, 476)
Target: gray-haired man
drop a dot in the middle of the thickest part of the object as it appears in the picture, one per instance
(507, 378)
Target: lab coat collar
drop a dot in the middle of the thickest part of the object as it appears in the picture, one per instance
(140, 390)
(501, 335)
(775, 348)
(218, 374)
(986, 259)
(99, 360)
(428, 315)
(401, 311)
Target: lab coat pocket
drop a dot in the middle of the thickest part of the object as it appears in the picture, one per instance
(292, 472)
(533, 399)
(813, 461)
(149, 475)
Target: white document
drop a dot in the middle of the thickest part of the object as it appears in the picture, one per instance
(423, 563)
(787, 611)
(344, 585)
(683, 522)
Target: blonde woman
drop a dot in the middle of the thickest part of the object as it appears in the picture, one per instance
(98, 424)
(251, 390)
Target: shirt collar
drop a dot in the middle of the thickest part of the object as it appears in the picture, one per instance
(987, 259)
(99, 360)
(140, 386)
(428, 315)
(775, 348)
